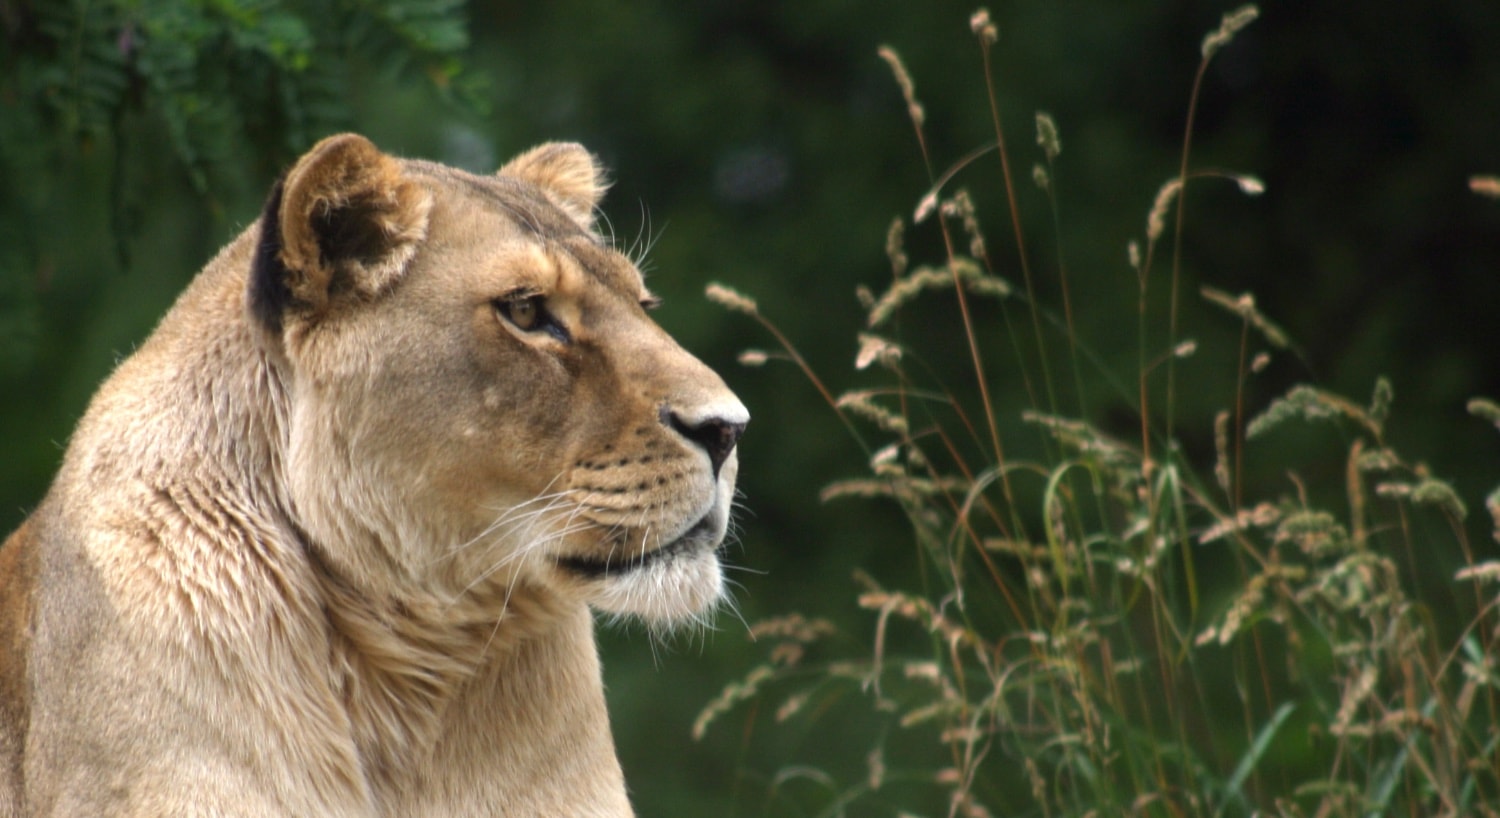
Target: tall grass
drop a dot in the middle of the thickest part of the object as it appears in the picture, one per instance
(1113, 627)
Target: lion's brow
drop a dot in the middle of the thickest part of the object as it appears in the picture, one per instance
(529, 210)
(612, 270)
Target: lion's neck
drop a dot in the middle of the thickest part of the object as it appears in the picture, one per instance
(410, 667)
(530, 728)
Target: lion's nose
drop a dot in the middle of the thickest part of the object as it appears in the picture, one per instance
(716, 432)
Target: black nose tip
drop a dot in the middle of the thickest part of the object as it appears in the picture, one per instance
(717, 436)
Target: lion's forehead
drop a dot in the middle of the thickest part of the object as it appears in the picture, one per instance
(542, 246)
(591, 262)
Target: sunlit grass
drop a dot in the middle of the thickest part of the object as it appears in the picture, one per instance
(1114, 628)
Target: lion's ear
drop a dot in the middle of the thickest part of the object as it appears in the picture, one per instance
(344, 218)
(567, 173)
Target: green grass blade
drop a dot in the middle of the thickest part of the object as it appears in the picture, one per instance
(1252, 756)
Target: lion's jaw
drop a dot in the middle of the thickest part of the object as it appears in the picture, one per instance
(679, 576)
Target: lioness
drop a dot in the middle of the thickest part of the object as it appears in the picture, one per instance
(326, 545)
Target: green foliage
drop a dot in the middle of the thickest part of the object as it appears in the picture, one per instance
(1100, 628)
(19, 319)
(207, 66)
(228, 82)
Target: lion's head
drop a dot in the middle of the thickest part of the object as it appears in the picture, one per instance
(479, 396)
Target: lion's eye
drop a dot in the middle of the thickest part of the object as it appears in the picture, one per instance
(525, 313)
(528, 313)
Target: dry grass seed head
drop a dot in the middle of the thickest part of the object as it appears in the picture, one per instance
(1354, 696)
(1485, 186)
(793, 626)
(875, 762)
(962, 207)
(895, 248)
(1041, 178)
(1316, 533)
(1232, 23)
(792, 706)
(1243, 305)
(1263, 515)
(1309, 403)
(1156, 220)
(733, 694)
(1264, 597)
(1221, 450)
(1440, 494)
(874, 349)
(1378, 460)
(862, 403)
(1249, 185)
(903, 79)
(1485, 409)
(983, 27)
(1046, 135)
(731, 299)
(924, 278)
(1084, 439)
(1428, 491)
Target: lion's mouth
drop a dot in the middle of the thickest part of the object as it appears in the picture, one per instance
(695, 539)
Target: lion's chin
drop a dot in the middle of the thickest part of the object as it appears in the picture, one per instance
(675, 582)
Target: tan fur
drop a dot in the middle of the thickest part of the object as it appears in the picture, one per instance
(327, 544)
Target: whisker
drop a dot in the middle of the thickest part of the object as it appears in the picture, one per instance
(522, 530)
(507, 516)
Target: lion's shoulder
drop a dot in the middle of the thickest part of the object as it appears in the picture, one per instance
(17, 580)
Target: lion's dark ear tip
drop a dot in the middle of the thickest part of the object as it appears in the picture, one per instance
(268, 295)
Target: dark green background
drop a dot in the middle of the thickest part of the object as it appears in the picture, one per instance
(765, 146)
